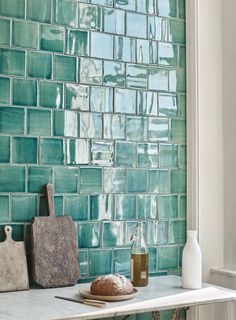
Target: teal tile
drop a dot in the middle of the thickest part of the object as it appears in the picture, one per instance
(113, 21)
(65, 68)
(102, 2)
(182, 156)
(39, 65)
(77, 207)
(182, 9)
(152, 260)
(177, 31)
(58, 204)
(65, 180)
(146, 51)
(168, 206)
(127, 5)
(101, 207)
(101, 45)
(100, 262)
(114, 180)
(146, 6)
(125, 207)
(125, 154)
(24, 150)
(51, 94)
(178, 130)
(5, 31)
(158, 79)
(5, 90)
(77, 97)
(83, 262)
(125, 49)
(114, 126)
(91, 180)
(12, 62)
(90, 71)
(39, 122)
(59, 123)
(102, 153)
(113, 234)
(52, 151)
(39, 11)
(51, 38)
(136, 128)
(168, 106)
(101, 99)
(12, 179)
(158, 181)
(168, 155)
(167, 8)
(137, 180)
(25, 34)
(4, 205)
(77, 42)
(167, 258)
(136, 25)
(182, 106)
(89, 235)
(183, 207)
(146, 207)
(90, 125)
(24, 208)
(147, 155)
(5, 149)
(65, 123)
(182, 57)
(167, 54)
(114, 74)
(125, 101)
(38, 177)
(136, 76)
(157, 28)
(66, 13)
(12, 120)
(178, 181)
(162, 232)
(177, 80)
(90, 17)
(78, 151)
(147, 103)
(122, 261)
(24, 92)
(12, 8)
(177, 232)
(158, 129)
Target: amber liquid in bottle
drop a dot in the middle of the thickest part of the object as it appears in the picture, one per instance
(139, 269)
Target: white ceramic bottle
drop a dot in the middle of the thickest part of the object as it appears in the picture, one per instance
(192, 262)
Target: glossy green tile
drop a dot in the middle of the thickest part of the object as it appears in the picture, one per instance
(122, 261)
(24, 150)
(51, 38)
(77, 207)
(113, 21)
(65, 180)
(78, 151)
(4, 205)
(114, 180)
(182, 57)
(137, 180)
(43, 207)
(183, 207)
(24, 208)
(152, 260)
(12, 62)
(167, 258)
(168, 206)
(4, 31)
(65, 123)
(125, 49)
(177, 232)
(146, 207)
(158, 79)
(114, 74)
(168, 155)
(136, 128)
(168, 106)
(125, 154)
(38, 177)
(126, 5)
(158, 129)
(182, 106)
(77, 97)
(101, 207)
(136, 76)
(158, 181)
(178, 130)
(146, 51)
(24, 92)
(51, 94)
(66, 13)
(12, 120)
(39, 65)
(113, 234)
(12, 179)
(147, 103)
(177, 80)
(90, 17)
(89, 235)
(12, 8)
(5, 149)
(147, 155)
(83, 262)
(77, 42)
(125, 207)
(125, 101)
(101, 99)
(52, 151)
(134, 29)
(39, 11)
(5, 90)
(167, 8)
(90, 125)
(65, 68)
(182, 156)
(114, 126)
(100, 262)
(146, 6)
(90, 71)
(101, 45)
(25, 34)
(102, 153)
(157, 28)
(102, 2)
(182, 9)
(178, 181)
(177, 31)
(167, 54)
(39, 122)
(91, 180)
(162, 232)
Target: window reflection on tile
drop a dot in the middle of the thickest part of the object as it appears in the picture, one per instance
(125, 101)
(158, 129)
(158, 79)
(136, 128)
(157, 28)
(66, 13)
(113, 234)
(167, 105)
(66, 123)
(114, 126)
(88, 235)
(169, 155)
(177, 80)
(162, 232)
(177, 232)
(167, 8)
(147, 206)
(147, 155)
(77, 42)
(146, 51)
(113, 21)
(147, 6)
(135, 29)
(90, 125)
(101, 45)
(102, 153)
(90, 17)
(101, 99)
(78, 151)
(167, 54)
(91, 71)
(114, 180)
(101, 207)
(136, 76)
(125, 49)
(114, 73)
(76, 97)
(147, 103)
(125, 207)
(127, 4)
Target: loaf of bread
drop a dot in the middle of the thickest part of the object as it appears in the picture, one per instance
(111, 285)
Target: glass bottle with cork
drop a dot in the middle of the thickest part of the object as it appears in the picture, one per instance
(139, 259)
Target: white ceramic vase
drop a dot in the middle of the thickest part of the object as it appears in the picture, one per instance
(192, 262)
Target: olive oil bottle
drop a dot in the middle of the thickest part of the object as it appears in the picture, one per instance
(139, 259)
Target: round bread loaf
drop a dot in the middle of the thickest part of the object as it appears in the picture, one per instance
(111, 285)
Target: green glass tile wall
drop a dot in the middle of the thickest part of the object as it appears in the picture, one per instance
(92, 98)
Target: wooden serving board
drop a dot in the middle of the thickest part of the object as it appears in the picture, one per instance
(13, 265)
(54, 248)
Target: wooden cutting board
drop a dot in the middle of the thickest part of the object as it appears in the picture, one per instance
(13, 265)
(54, 248)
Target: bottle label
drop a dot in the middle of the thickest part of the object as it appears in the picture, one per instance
(132, 270)
(143, 274)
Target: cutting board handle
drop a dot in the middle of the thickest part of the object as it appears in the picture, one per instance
(50, 199)
(8, 232)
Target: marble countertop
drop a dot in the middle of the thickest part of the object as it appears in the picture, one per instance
(161, 293)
